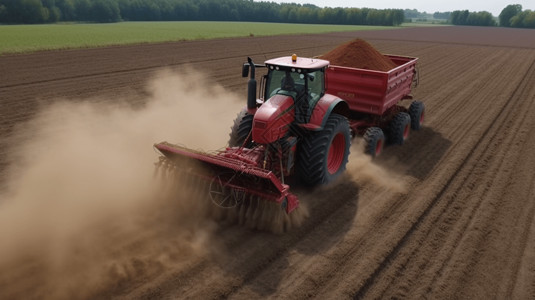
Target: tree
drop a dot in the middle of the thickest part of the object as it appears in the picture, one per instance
(68, 11)
(3, 13)
(508, 13)
(24, 11)
(458, 17)
(525, 19)
(464, 17)
(105, 11)
(83, 10)
(54, 14)
(411, 13)
(442, 15)
(398, 17)
(529, 20)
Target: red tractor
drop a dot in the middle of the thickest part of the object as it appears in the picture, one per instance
(300, 129)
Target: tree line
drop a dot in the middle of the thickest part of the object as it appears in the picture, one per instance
(464, 17)
(50, 11)
(513, 16)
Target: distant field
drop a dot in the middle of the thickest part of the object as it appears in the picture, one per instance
(28, 38)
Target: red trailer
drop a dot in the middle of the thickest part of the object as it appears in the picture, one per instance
(373, 97)
(371, 91)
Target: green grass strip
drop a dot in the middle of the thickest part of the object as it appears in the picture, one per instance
(29, 38)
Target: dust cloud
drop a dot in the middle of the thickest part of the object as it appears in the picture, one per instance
(82, 214)
(363, 170)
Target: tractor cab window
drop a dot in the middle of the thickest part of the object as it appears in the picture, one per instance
(295, 84)
(283, 82)
(315, 85)
(305, 87)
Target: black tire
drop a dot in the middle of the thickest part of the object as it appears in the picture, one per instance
(399, 128)
(417, 112)
(375, 141)
(243, 124)
(322, 155)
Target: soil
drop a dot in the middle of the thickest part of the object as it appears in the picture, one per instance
(448, 215)
(359, 54)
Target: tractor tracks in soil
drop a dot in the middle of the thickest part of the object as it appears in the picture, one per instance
(239, 264)
(461, 215)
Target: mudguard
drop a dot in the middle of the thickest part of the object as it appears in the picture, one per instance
(323, 109)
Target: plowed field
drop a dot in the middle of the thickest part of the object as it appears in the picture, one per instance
(448, 215)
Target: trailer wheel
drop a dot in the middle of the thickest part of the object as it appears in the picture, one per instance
(400, 128)
(417, 112)
(243, 124)
(375, 140)
(323, 155)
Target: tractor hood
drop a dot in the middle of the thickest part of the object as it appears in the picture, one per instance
(273, 119)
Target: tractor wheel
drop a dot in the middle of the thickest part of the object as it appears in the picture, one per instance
(243, 124)
(400, 128)
(417, 111)
(322, 155)
(375, 141)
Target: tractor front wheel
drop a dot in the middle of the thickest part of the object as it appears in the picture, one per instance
(243, 124)
(323, 154)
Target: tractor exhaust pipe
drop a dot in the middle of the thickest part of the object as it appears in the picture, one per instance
(251, 87)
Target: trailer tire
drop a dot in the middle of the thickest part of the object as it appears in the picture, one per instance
(400, 128)
(375, 141)
(243, 124)
(323, 155)
(417, 113)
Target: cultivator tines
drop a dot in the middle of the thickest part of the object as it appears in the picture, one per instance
(222, 193)
(241, 193)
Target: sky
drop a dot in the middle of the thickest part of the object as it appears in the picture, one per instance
(430, 6)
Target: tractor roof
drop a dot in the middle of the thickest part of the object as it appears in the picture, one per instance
(300, 62)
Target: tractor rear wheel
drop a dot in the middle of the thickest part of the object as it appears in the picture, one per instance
(243, 124)
(375, 141)
(322, 155)
(400, 128)
(417, 111)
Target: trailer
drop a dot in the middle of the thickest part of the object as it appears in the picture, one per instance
(373, 98)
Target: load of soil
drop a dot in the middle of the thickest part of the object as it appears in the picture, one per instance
(359, 54)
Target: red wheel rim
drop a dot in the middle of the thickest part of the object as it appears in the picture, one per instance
(336, 153)
(406, 131)
(422, 118)
(378, 147)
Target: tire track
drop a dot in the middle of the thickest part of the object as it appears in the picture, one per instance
(236, 274)
(463, 216)
(509, 107)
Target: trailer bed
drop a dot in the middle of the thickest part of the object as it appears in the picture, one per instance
(371, 91)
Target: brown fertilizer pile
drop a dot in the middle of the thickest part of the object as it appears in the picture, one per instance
(359, 54)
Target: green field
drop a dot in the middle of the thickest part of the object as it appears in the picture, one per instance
(28, 38)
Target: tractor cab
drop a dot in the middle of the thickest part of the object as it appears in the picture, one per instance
(300, 78)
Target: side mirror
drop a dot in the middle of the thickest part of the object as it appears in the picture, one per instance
(245, 70)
